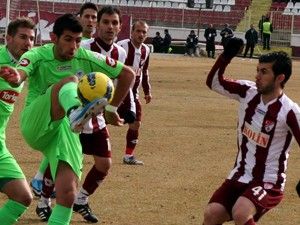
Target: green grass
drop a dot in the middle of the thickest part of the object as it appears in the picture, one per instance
(288, 50)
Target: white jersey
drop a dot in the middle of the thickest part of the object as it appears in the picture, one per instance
(265, 131)
(113, 51)
(138, 59)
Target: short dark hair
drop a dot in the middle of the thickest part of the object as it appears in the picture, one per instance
(282, 64)
(87, 5)
(110, 10)
(21, 22)
(66, 22)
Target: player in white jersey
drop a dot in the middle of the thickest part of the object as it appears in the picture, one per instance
(95, 136)
(268, 120)
(138, 55)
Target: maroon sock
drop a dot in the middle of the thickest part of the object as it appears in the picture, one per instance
(93, 179)
(131, 141)
(250, 222)
(48, 184)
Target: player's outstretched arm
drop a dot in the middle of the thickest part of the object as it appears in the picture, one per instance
(298, 188)
(12, 76)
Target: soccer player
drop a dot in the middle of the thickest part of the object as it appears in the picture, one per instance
(267, 121)
(20, 38)
(88, 19)
(138, 55)
(95, 136)
(53, 114)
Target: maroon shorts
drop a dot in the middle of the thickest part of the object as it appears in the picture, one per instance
(124, 107)
(263, 195)
(96, 143)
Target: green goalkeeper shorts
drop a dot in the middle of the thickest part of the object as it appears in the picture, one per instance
(53, 138)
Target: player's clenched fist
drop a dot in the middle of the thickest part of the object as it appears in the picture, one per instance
(10, 74)
(233, 47)
(298, 188)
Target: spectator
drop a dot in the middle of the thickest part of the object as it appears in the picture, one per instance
(167, 42)
(251, 37)
(260, 26)
(157, 42)
(191, 43)
(267, 30)
(226, 34)
(210, 34)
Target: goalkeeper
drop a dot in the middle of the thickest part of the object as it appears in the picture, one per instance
(267, 120)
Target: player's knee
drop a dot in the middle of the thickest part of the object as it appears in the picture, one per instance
(209, 215)
(239, 217)
(69, 197)
(135, 126)
(104, 165)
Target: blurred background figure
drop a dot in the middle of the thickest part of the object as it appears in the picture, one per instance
(210, 33)
(157, 42)
(251, 37)
(226, 34)
(167, 42)
(267, 30)
(191, 43)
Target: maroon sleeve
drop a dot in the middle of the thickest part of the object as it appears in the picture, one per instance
(294, 125)
(220, 66)
(145, 79)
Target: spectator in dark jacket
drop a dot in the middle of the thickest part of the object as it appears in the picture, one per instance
(226, 34)
(251, 37)
(191, 43)
(157, 42)
(167, 42)
(210, 33)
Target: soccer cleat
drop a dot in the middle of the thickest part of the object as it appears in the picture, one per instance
(44, 213)
(131, 160)
(86, 212)
(36, 186)
(79, 116)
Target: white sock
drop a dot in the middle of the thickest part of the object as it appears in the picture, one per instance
(82, 197)
(44, 202)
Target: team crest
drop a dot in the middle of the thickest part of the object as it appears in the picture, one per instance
(24, 62)
(111, 62)
(269, 125)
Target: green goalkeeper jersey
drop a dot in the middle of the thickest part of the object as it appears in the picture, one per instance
(43, 69)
